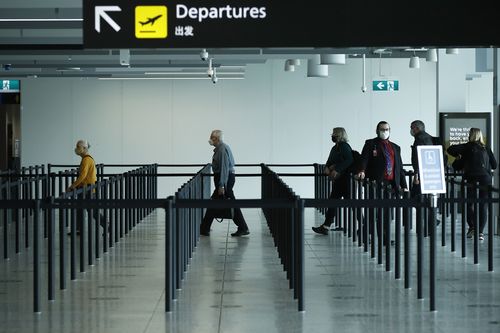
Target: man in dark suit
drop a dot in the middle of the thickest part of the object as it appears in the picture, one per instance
(381, 161)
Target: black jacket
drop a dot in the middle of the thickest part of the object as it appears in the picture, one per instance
(471, 162)
(421, 139)
(373, 162)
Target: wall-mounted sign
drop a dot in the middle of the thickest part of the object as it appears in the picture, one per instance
(9, 86)
(385, 85)
(265, 23)
(431, 169)
(454, 128)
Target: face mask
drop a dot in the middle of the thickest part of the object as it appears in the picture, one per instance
(77, 151)
(383, 135)
(210, 142)
(412, 133)
(335, 139)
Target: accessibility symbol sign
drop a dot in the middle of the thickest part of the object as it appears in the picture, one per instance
(151, 22)
(385, 85)
(431, 169)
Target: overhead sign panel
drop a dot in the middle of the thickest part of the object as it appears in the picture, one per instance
(273, 23)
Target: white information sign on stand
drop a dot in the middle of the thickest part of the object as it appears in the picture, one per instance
(431, 169)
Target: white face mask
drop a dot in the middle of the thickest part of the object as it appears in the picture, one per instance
(210, 142)
(384, 135)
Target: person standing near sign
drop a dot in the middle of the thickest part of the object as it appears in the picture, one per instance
(223, 168)
(477, 161)
(422, 138)
(381, 159)
(336, 167)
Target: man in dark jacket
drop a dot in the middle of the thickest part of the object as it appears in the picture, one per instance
(381, 161)
(422, 138)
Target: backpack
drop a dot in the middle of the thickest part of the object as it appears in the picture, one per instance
(478, 163)
(355, 166)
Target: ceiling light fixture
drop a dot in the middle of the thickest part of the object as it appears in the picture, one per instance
(431, 55)
(332, 59)
(451, 51)
(315, 69)
(414, 61)
(40, 20)
(125, 57)
(288, 66)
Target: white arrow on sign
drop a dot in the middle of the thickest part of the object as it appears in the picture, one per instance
(380, 85)
(100, 11)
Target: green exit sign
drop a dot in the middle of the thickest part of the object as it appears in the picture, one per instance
(9, 85)
(385, 85)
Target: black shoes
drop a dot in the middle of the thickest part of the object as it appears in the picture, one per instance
(320, 230)
(239, 233)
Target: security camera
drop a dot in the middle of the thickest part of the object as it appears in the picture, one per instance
(215, 79)
(204, 55)
(210, 70)
(364, 88)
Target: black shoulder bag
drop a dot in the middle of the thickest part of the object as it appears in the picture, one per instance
(222, 213)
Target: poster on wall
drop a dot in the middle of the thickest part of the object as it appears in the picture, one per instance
(454, 128)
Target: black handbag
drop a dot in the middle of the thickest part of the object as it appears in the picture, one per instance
(222, 213)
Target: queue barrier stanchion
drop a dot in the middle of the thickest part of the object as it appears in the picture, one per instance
(452, 208)
(477, 216)
(420, 250)
(380, 225)
(490, 229)
(51, 233)
(432, 255)
(169, 255)
(387, 229)
(464, 216)
(397, 255)
(407, 213)
(37, 249)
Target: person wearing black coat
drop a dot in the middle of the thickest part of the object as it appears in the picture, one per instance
(381, 161)
(476, 160)
(337, 167)
(422, 138)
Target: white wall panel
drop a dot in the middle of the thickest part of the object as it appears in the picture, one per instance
(271, 116)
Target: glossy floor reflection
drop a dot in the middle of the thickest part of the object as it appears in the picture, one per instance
(238, 285)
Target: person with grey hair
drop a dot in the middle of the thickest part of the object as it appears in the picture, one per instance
(87, 176)
(224, 179)
(339, 160)
(477, 161)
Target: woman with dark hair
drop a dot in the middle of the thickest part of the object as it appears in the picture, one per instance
(477, 161)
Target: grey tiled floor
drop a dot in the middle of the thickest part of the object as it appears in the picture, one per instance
(238, 285)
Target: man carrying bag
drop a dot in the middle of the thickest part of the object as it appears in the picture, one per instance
(223, 168)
